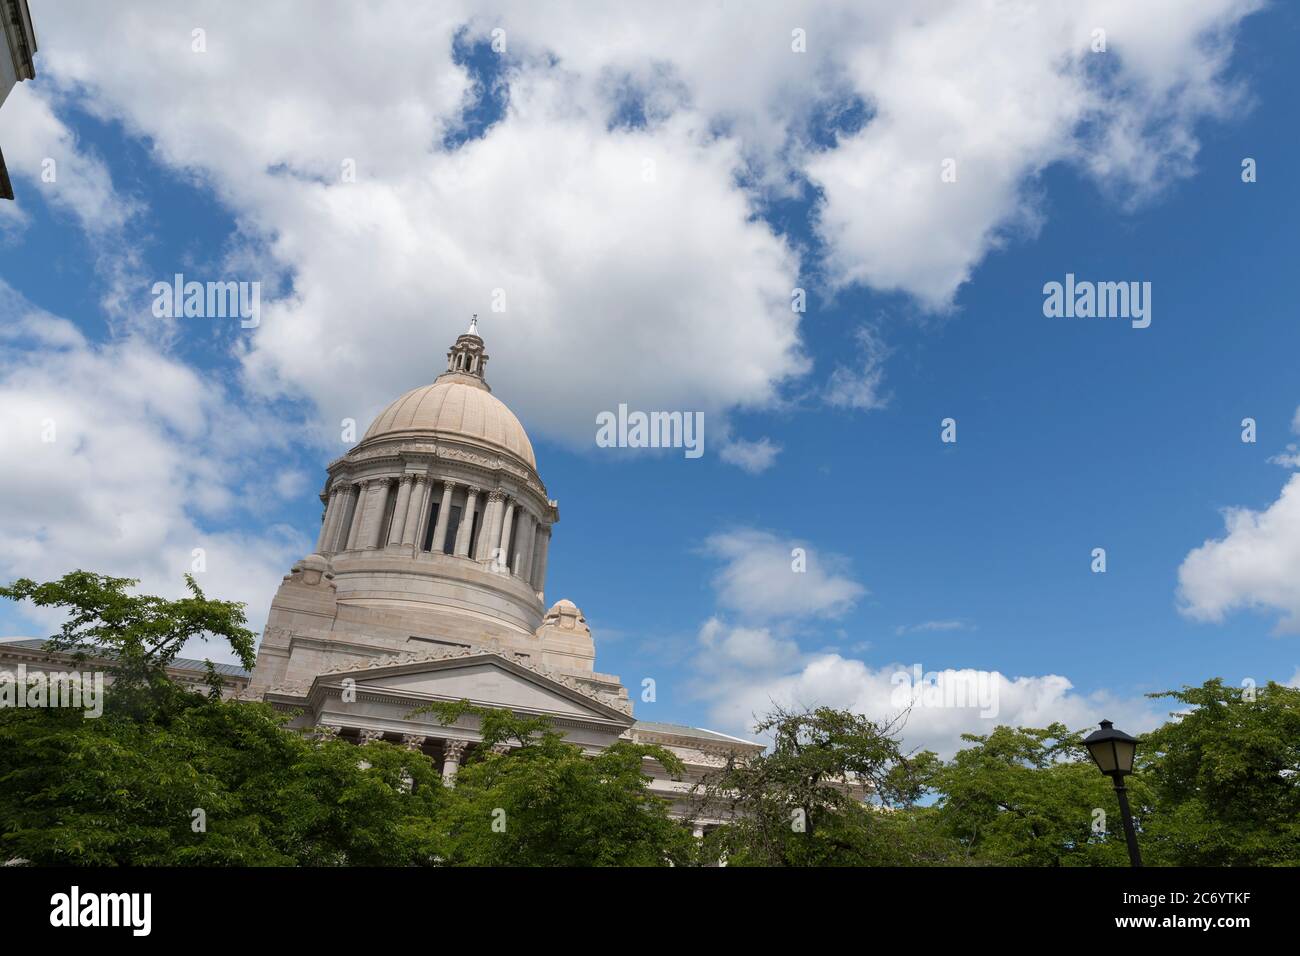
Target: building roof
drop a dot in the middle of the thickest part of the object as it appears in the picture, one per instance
(681, 730)
(180, 663)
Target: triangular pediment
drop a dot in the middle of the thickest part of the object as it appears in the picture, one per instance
(484, 679)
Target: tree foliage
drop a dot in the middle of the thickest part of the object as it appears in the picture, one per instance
(1225, 778)
(827, 793)
(544, 802)
(168, 776)
(1024, 796)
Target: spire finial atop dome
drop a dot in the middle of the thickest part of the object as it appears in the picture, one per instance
(467, 358)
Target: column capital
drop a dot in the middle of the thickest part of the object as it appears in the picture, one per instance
(496, 494)
(474, 490)
(327, 731)
(501, 748)
(453, 749)
(406, 478)
(371, 736)
(413, 741)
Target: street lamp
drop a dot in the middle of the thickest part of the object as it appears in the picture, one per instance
(1113, 752)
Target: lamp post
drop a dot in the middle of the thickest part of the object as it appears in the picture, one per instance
(1113, 752)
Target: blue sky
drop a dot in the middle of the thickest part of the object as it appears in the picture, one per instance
(1072, 434)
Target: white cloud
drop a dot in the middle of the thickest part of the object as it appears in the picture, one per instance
(116, 456)
(754, 457)
(669, 293)
(34, 138)
(950, 624)
(759, 577)
(741, 669)
(1291, 457)
(834, 681)
(861, 388)
(1255, 565)
(1005, 93)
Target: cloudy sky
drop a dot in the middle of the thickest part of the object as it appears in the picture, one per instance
(630, 198)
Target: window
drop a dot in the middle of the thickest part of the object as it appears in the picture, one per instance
(390, 505)
(433, 523)
(449, 542)
(473, 533)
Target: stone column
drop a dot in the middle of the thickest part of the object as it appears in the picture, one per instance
(370, 736)
(444, 515)
(452, 751)
(333, 515)
(373, 515)
(490, 533)
(539, 557)
(466, 523)
(354, 515)
(338, 530)
(414, 508)
(413, 741)
(331, 512)
(399, 510)
(506, 523)
(524, 545)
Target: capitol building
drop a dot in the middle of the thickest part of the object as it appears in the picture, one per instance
(427, 584)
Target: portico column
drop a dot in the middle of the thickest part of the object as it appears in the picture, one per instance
(413, 741)
(524, 545)
(357, 493)
(506, 524)
(399, 510)
(372, 517)
(338, 536)
(444, 513)
(452, 751)
(328, 526)
(466, 523)
(490, 533)
(539, 557)
(325, 520)
(414, 508)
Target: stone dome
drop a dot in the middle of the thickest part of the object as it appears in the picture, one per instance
(459, 408)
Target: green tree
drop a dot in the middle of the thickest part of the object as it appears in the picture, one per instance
(1026, 796)
(167, 776)
(219, 783)
(1225, 776)
(545, 803)
(832, 791)
(138, 635)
